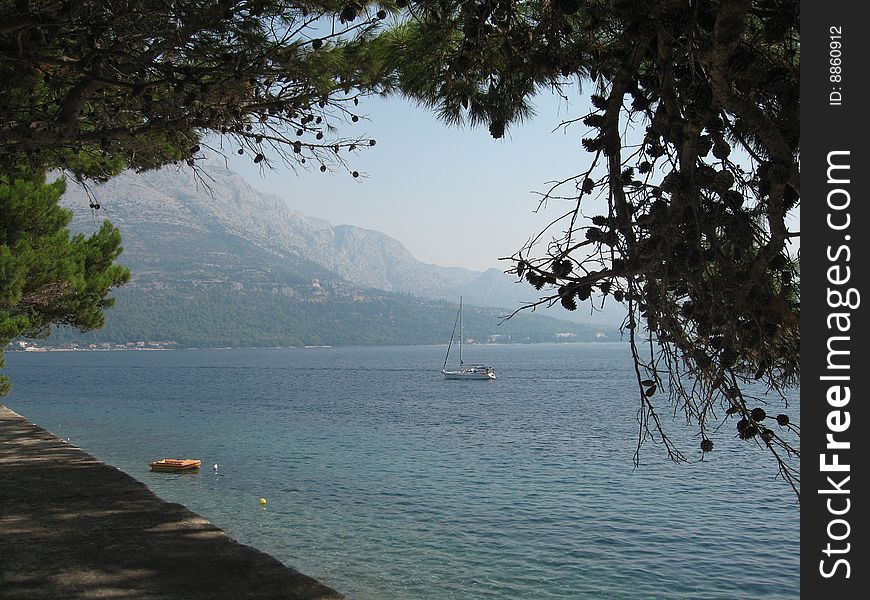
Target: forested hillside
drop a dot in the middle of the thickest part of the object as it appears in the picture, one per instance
(218, 264)
(329, 315)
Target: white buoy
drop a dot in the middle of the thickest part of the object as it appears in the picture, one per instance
(215, 467)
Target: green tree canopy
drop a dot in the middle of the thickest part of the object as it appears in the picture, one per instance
(46, 276)
(692, 146)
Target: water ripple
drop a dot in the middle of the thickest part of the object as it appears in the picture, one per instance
(387, 483)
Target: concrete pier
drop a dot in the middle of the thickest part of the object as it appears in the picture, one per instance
(72, 527)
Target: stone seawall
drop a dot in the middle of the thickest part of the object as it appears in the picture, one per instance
(72, 527)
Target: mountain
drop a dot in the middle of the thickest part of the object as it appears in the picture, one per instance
(215, 262)
(222, 200)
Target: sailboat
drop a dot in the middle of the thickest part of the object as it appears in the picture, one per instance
(463, 371)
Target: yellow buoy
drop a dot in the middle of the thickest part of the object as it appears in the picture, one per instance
(263, 501)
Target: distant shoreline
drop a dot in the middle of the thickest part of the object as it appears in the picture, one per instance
(120, 348)
(32, 349)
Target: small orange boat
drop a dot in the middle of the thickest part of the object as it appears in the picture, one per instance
(174, 465)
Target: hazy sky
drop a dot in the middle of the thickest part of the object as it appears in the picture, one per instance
(453, 197)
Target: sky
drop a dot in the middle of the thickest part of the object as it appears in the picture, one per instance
(453, 197)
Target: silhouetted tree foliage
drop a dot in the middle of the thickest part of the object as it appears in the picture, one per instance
(692, 148)
(95, 86)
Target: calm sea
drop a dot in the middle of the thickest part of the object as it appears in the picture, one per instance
(386, 482)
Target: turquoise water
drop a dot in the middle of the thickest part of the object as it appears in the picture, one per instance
(386, 482)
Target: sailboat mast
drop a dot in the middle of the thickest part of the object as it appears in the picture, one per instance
(452, 337)
(460, 331)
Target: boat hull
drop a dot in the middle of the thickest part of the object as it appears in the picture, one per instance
(468, 375)
(170, 465)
